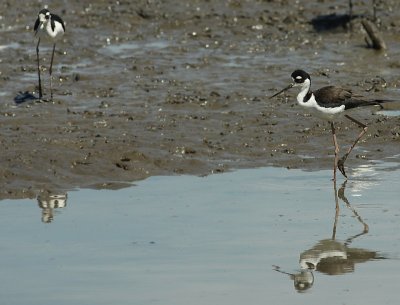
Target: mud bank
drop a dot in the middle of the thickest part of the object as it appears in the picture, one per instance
(161, 88)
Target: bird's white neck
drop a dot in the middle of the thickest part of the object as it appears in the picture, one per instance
(304, 89)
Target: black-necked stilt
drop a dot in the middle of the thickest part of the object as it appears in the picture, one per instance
(52, 27)
(328, 103)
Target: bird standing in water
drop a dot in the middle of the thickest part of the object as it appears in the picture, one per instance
(329, 103)
(48, 27)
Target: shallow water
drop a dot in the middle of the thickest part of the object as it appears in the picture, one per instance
(390, 112)
(222, 239)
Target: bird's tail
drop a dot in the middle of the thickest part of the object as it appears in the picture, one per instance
(362, 103)
(381, 103)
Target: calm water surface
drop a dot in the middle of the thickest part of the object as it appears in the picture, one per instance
(259, 236)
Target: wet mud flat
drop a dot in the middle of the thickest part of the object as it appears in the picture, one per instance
(160, 88)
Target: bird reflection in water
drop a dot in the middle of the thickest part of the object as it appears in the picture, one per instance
(48, 203)
(330, 256)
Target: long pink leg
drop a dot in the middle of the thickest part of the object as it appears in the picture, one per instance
(50, 72)
(38, 69)
(343, 159)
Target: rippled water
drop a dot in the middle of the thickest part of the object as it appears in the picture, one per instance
(264, 235)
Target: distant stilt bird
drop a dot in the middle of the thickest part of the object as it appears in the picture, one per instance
(48, 27)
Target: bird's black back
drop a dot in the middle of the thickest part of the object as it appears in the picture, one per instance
(58, 19)
(331, 97)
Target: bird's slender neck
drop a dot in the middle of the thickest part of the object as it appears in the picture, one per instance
(305, 92)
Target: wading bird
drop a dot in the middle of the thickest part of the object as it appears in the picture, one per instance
(48, 27)
(329, 103)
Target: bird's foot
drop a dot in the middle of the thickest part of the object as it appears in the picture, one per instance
(42, 100)
(341, 165)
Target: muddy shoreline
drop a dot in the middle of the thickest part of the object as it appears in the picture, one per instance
(152, 88)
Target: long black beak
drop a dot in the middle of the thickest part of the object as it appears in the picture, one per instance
(283, 90)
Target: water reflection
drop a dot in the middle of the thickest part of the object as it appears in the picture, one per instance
(329, 256)
(49, 203)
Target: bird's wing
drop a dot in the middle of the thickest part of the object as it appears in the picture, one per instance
(56, 18)
(332, 96)
(36, 26)
(354, 103)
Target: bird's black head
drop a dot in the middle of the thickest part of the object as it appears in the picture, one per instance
(300, 76)
(300, 79)
(44, 11)
(44, 15)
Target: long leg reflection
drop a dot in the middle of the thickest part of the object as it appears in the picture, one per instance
(341, 194)
(330, 256)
